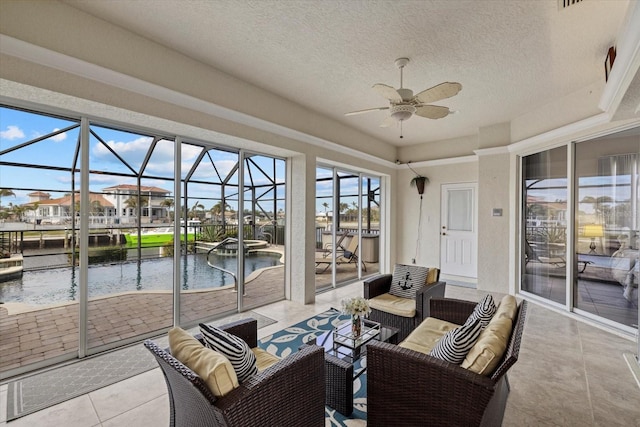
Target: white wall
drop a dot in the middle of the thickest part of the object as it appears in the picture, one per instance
(493, 231)
(408, 206)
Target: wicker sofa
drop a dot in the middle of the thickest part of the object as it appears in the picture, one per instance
(289, 393)
(409, 388)
(379, 286)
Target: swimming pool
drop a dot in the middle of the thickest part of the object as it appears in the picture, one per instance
(58, 285)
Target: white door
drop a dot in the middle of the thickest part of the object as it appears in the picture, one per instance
(458, 233)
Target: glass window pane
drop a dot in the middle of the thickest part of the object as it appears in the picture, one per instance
(607, 247)
(545, 225)
(460, 210)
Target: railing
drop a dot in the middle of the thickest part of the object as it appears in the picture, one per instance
(217, 267)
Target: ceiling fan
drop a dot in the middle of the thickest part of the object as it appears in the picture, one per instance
(403, 104)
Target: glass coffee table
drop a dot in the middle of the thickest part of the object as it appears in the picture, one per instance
(342, 351)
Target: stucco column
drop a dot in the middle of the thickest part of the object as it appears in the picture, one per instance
(494, 208)
(300, 276)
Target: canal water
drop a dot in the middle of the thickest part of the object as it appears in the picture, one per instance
(56, 285)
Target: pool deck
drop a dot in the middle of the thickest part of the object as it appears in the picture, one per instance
(29, 335)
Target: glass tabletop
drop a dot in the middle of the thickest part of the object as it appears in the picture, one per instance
(340, 342)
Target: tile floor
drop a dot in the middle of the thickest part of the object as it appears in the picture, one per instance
(569, 374)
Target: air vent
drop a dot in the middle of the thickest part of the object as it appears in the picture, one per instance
(563, 4)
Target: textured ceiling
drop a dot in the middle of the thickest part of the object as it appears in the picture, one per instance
(511, 57)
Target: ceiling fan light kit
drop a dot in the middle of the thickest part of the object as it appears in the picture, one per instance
(402, 112)
(403, 104)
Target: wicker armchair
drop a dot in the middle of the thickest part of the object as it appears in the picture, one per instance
(381, 284)
(408, 388)
(289, 393)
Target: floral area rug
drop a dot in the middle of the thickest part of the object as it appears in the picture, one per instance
(289, 340)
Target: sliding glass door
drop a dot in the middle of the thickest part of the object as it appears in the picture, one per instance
(544, 195)
(347, 226)
(115, 235)
(580, 236)
(607, 177)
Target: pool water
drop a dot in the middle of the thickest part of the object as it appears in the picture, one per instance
(61, 284)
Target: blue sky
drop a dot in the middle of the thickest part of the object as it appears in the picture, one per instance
(18, 127)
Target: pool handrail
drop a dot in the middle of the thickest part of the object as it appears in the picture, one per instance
(224, 242)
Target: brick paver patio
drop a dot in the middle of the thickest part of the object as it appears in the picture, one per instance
(33, 336)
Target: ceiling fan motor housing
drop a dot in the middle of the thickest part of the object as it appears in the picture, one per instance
(402, 112)
(405, 94)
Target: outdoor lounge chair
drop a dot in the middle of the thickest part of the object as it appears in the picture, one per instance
(343, 256)
(546, 257)
(329, 247)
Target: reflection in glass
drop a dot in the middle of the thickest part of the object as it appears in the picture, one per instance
(607, 175)
(545, 225)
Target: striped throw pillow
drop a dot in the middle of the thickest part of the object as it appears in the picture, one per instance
(234, 348)
(407, 279)
(484, 311)
(455, 344)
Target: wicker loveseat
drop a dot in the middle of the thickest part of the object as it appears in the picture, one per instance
(410, 388)
(289, 393)
(378, 287)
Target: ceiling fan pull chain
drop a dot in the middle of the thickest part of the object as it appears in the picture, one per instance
(401, 129)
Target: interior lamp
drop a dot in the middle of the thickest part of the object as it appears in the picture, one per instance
(593, 231)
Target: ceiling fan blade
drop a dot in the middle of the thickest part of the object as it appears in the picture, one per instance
(388, 92)
(388, 122)
(368, 110)
(438, 92)
(432, 111)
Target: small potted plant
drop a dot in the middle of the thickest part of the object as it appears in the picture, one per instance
(419, 182)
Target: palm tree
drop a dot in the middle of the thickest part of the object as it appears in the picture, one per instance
(96, 207)
(18, 211)
(196, 209)
(168, 203)
(325, 205)
(132, 202)
(5, 192)
(219, 208)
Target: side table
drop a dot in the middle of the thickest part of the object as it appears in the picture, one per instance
(339, 363)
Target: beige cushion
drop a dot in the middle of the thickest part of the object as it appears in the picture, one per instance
(486, 353)
(508, 308)
(214, 368)
(264, 359)
(433, 274)
(424, 337)
(388, 303)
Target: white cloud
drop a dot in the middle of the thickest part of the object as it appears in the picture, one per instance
(12, 132)
(132, 151)
(59, 137)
